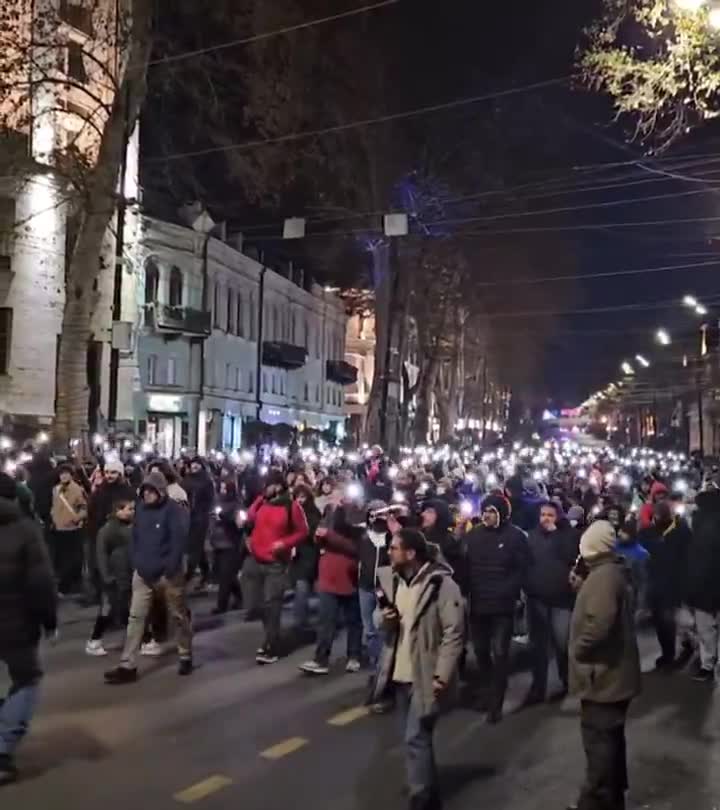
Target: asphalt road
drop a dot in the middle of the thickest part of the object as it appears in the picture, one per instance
(234, 734)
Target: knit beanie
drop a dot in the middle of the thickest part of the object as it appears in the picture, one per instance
(500, 504)
(598, 538)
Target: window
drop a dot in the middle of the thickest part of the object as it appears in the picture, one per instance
(276, 325)
(5, 338)
(274, 387)
(251, 382)
(327, 395)
(238, 378)
(239, 317)
(172, 371)
(152, 369)
(251, 332)
(292, 327)
(77, 15)
(228, 375)
(152, 281)
(317, 393)
(176, 287)
(307, 335)
(230, 311)
(76, 63)
(317, 344)
(184, 433)
(307, 392)
(282, 384)
(216, 306)
(7, 232)
(264, 376)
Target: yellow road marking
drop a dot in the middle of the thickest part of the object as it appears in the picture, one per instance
(284, 748)
(203, 789)
(349, 716)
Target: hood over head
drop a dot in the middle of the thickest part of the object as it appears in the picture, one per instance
(599, 538)
(442, 510)
(157, 481)
(658, 488)
(501, 505)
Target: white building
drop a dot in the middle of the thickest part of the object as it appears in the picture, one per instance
(190, 378)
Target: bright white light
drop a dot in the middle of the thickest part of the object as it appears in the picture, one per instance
(354, 491)
(701, 310)
(538, 475)
(626, 368)
(10, 467)
(680, 508)
(491, 479)
(625, 481)
(42, 438)
(642, 360)
(264, 469)
(466, 508)
(137, 458)
(218, 510)
(24, 458)
(398, 497)
(242, 516)
(690, 301)
(663, 337)
(689, 5)
(714, 18)
(147, 447)
(392, 473)
(680, 485)
(98, 439)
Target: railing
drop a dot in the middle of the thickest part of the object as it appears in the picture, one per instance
(341, 372)
(283, 355)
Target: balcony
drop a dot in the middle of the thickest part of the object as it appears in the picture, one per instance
(338, 371)
(283, 355)
(184, 320)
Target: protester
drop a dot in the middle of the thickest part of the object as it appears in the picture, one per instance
(436, 523)
(554, 547)
(658, 492)
(604, 667)
(227, 536)
(422, 619)
(278, 526)
(498, 559)
(160, 537)
(201, 494)
(373, 555)
(28, 606)
(68, 514)
(304, 565)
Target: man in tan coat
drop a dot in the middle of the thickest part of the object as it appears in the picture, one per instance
(604, 665)
(68, 513)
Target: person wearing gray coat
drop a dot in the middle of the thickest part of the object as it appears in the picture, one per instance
(604, 667)
(420, 613)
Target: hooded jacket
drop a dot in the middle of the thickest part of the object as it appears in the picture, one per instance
(604, 662)
(276, 520)
(452, 549)
(201, 495)
(703, 574)
(668, 562)
(436, 636)
(28, 599)
(645, 515)
(552, 556)
(339, 549)
(498, 560)
(101, 503)
(113, 554)
(160, 534)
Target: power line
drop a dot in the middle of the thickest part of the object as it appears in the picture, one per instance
(269, 34)
(383, 119)
(591, 227)
(607, 274)
(592, 310)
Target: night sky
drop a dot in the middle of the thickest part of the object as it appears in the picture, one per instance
(546, 149)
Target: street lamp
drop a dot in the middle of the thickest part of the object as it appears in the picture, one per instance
(701, 310)
(642, 360)
(690, 301)
(663, 337)
(626, 368)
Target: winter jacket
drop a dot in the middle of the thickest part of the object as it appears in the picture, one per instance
(636, 556)
(498, 560)
(201, 496)
(338, 565)
(667, 565)
(373, 554)
(604, 661)
(552, 556)
(224, 532)
(69, 507)
(100, 506)
(645, 515)
(160, 535)
(279, 520)
(437, 635)
(703, 567)
(452, 549)
(113, 554)
(28, 599)
(305, 562)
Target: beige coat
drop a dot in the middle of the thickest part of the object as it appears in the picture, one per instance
(69, 507)
(604, 658)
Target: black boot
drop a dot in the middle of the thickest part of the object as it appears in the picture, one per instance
(8, 771)
(185, 667)
(120, 675)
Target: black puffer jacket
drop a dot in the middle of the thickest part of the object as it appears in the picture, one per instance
(552, 556)
(452, 549)
(28, 599)
(703, 568)
(498, 560)
(667, 566)
(201, 496)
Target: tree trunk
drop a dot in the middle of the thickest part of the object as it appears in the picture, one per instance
(381, 282)
(425, 388)
(99, 206)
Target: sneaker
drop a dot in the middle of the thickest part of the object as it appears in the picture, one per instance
(185, 667)
(152, 649)
(353, 665)
(95, 647)
(8, 771)
(265, 658)
(314, 668)
(121, 675)
(704, 676)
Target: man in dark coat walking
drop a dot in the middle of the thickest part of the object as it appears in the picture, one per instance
(201, 497)
(28, 605)
(604, 667)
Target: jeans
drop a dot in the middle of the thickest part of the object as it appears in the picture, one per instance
(68, 559)
(603, 735)
(265, 583)
(227, 566)
(19, 706)
(548, 625)
(197, 558)
(491, 637)
(417, 734)
(301, 604)
(173, 593)
(707, 630)
(663, 617)
(371, 633)
(330, 605)
(114, 610)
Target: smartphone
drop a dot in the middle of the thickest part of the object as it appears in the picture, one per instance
(382, 600)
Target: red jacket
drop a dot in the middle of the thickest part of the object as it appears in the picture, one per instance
(338, 567)
(273, 523)
(645, 515)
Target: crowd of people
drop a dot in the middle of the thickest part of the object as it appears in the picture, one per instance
(419, 558)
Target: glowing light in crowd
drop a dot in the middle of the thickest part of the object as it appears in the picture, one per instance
(137, 458)
(689, 5)
(625, 481)
(147, 447)
(98, 439)
(642, 360)
(398, 497)
(354, 491)
(714, 18)
(466, 508)
(392, 473)
(42, 437)
(626, 368)
(264, 470)
(701, 310)
(690, 301)
(242, 516)
(5, 443)
(491, 479)
(680, 485)
(663, 337)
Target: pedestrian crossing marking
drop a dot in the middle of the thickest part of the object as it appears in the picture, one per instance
(284, 748)
(349, 716)
(202, 790)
